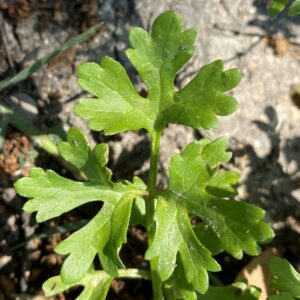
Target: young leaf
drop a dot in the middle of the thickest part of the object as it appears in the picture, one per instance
(236, 291)
(104, 235)
(174, 235)
(52, 195)
(96, 285)
(287, 279)
(157, 57)
(177, 286)
(237, 224)
(118, 107)
(91, 162)
(117, 235)
(200, 102)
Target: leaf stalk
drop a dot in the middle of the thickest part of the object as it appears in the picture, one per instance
(150, 206)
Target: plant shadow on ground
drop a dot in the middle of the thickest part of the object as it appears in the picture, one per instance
(267, 184)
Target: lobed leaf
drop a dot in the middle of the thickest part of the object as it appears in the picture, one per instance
(104, 235)
(200, 102)
(237, 225)
(96, 285)
(208, 238)
(198, 188)
(117, 107)
(174, 235)
(158, 57)
(177, 286)
(287, 279)
(91, 162)
(52, 195)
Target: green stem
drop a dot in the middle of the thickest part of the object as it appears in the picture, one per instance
(154, 162)
(134, 274)
(150, 205)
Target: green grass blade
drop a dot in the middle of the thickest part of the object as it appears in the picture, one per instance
(40, 63)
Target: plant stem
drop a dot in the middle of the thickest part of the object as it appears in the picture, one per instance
(155, 145)
(150, 205)
(134, 274)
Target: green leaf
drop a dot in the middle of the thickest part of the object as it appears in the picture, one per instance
(157, 57)
(174, 235)
(104, 235)
(236, 291)
(96, 285)
(138, 212)
(220, 184)
(200, 102)
(80, 246)
(287, 279)
(116, 236)
(208, 238)
(52, 195)
(117, 107)
(177, 286)
(276, 7)
(27, 72)
(91, 162)
(294, 9)
(282, 296)
(237, 224)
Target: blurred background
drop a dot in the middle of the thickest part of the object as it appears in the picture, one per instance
(264, 134)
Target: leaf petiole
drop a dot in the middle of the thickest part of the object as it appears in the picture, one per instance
(150, 206)
(134, 274)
